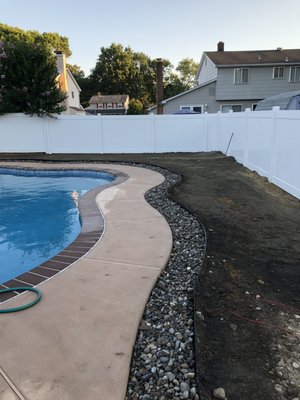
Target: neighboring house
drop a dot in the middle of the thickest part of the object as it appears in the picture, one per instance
(116, 104)
(68, 84)
(236, 80)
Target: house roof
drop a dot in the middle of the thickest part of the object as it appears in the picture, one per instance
(257, 57)
(114, 98)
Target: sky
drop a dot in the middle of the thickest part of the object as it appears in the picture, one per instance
(172, 29)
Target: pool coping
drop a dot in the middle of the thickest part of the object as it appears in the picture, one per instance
(92, 229)
(77, 342)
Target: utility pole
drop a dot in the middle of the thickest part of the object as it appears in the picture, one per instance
(159, 86)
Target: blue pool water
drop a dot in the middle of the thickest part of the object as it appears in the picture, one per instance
(39, 215)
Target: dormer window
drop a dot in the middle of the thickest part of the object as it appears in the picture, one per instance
(241, 75)
(278, 72)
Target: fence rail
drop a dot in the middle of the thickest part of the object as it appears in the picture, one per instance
(267, 142)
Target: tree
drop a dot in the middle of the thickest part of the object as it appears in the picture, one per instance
(120, 70)
(181, 81)
(187, 69)
(28, 79)
(135, 107)
(88, 89)
(56, 41)
(76, 71)
(113, 69)
(174, 86)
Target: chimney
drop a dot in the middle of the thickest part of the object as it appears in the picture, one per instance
(62, 70)
(221, 46)
(62, 78)
(159, 86)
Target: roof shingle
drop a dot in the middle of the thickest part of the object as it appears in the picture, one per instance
(102, 99)
(256, 57)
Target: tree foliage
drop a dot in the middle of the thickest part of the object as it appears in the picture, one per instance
(56, 41)
(135, 107)
(174, 86)
(120, 70)
(76, 71)
(183, 79)
(28, 79)
(88, 89)
(187, 69)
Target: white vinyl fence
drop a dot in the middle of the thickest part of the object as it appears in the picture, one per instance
(265, 141)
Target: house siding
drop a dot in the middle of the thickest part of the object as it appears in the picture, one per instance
(73, 102)
(208, 71)
(261, 84)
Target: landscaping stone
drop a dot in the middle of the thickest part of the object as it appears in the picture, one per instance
(169, 312)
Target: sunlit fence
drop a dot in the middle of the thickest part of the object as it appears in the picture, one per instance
(265, 141)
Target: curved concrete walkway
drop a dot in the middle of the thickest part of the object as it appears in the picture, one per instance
(77, 342)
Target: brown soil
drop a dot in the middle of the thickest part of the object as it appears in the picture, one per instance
(247, 308)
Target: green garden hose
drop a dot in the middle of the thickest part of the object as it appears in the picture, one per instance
(17, 289)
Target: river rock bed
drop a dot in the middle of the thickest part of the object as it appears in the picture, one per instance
(163, 360)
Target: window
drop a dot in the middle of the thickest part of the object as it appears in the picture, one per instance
(254, 106)
(295, 74)
(197, 109)
(278, 72)
(225, 108)
(194, 107)
(73, 95)
(241, 75)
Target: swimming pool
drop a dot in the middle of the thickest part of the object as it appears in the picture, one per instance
(39, 214)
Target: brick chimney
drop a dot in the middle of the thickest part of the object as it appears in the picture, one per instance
(221, 46)
(159, 86)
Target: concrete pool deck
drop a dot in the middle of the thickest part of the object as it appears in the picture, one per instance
(77, 342)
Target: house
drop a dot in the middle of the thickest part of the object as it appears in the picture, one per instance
(236, 80)
(116, 104)
(68, 84)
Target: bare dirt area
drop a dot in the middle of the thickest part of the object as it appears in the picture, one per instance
(247, 296)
